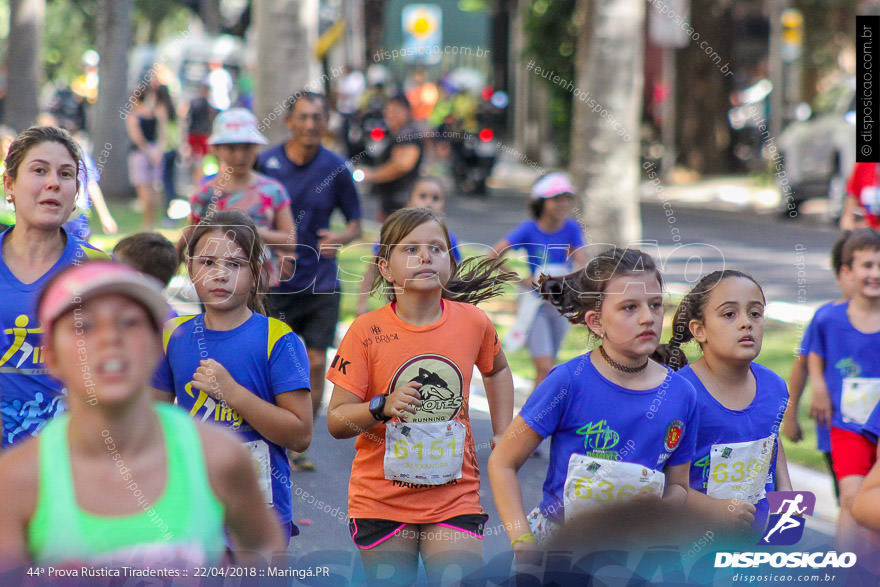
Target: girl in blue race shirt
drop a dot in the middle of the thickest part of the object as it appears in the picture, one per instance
(738, 457)
(234, 366)
(622, 425)
(554, 245)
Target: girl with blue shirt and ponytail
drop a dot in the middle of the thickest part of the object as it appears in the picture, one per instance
(554, 245)
(622, 425)
(738, 456)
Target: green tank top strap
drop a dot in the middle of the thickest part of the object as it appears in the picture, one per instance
(187, 516)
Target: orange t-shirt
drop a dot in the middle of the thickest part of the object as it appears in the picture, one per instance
(381, 352)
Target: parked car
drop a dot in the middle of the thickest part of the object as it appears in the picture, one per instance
(819, 149)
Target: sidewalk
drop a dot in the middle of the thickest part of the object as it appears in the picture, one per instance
(732, 193)
(719, 193)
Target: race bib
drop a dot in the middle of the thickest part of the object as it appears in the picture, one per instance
(860, 396)
(870, 199)
(593, 482)
(260, 455)
(427, 453)
(740, 469)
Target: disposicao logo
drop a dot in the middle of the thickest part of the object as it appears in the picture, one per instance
(785, 524)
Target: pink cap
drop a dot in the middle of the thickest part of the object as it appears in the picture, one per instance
(79, 283)
(551, 185)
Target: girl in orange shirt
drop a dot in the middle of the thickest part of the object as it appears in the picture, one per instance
(402, 376)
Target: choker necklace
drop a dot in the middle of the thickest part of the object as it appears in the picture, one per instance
(621, 367)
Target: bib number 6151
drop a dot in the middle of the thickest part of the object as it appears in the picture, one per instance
(403, 449)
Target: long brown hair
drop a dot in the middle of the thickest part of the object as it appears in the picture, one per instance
(475, 280)
(577, 293)
(239, 228)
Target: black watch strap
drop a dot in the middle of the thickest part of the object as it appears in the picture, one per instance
(378, 409)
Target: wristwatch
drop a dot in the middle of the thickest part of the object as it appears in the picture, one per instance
(377, 408)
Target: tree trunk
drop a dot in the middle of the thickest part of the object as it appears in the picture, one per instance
(24, 62)
(109, 140)
(702, 96)
(285, 60)
(607, 101)
(209, 11)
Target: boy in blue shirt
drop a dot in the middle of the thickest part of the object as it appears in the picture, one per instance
(844, 365)
(797, 381)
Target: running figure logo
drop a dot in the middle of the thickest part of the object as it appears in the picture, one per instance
(785, 524)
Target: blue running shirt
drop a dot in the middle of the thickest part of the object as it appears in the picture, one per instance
(585, 413)
(29, 396)
(847, 352)
(263, 355)
(720, 425)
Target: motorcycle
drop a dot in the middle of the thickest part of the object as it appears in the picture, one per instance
(376, 140)
(473, 157)
(474, 153)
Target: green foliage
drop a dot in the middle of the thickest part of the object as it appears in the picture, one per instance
(551, 41)
(828, 26)
(473, 5)
(156, 19)
(70, 30)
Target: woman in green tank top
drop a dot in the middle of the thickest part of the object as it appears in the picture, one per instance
(119, 480)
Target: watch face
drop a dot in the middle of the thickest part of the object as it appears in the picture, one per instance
(376, 402)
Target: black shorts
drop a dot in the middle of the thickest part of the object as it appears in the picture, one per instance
(370, 532)
(313, 316)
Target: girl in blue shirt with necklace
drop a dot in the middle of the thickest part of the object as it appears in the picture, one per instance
(622, 425)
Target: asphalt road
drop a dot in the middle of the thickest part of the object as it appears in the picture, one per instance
(788, 257)
(774, 251)
(320, 498)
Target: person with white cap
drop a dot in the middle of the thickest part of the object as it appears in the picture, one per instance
(237, 186)
(120, 479)
(554, 246)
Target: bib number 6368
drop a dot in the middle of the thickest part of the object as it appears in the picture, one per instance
(605, 491)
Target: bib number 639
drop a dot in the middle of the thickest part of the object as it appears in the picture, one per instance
(737, 472)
